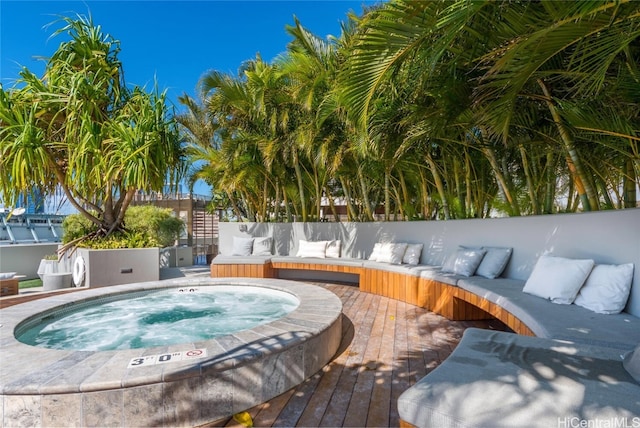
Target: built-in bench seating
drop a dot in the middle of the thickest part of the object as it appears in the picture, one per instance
(497, 379)
(533, 374)
(456, 297)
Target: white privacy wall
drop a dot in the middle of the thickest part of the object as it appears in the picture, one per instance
(606, 237)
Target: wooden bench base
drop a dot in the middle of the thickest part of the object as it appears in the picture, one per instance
(251, 271)
(447, 300)
(316, 266)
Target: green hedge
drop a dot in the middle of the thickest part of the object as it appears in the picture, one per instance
(145, 226)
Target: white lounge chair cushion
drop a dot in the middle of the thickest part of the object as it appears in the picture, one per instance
(7, 275)
(607, 289)
(558, 279)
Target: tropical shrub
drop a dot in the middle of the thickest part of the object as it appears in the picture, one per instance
(145, 226)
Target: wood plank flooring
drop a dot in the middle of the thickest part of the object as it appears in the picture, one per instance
(387, 346)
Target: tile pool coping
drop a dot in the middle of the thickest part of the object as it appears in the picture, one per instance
(256, 364)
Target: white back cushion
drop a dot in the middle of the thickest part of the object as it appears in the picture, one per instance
(312, 249)
(242, 246)
(412, 254)
(392, 253)
(558, 279)
(262, 246)
(333, 249)
(607, 289)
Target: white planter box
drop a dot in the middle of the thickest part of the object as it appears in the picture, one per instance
(120, 266)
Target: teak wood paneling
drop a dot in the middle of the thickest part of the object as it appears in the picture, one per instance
(317, 266)
(443, 299)
(238, 270)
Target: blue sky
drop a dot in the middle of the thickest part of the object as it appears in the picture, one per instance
(174, 42)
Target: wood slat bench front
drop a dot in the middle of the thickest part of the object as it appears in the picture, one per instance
(444, 299)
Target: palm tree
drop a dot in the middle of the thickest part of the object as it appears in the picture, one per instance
(541, 53)
(80, 129)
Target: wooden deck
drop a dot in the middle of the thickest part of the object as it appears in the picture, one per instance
(387, 346)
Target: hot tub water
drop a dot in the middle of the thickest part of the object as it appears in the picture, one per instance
(159, 317)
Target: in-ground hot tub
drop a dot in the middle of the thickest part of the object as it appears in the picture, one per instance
(181, 384)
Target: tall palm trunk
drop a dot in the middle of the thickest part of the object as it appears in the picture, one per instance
(439, 185)
(404, 201)
(365, 196)
(351, 212)
(387, 194)
(265, 200)
(550, 183)
(531, 189)
(467, 181)
(504, 184)
(629, 184)
(303, 201)
(587, 193)
(424, 195)
(318, 192)
(457, 177)
(276, 201)
(287, 205)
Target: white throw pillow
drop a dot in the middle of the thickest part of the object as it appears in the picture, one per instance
(464, 261)
(312, 249)
(377, 247)
(558, 279)
(412, 254)
(242, 246)
(494, 262)
(607, 289)
(262, 246)
(333, 249)
(631, 363)
(392, 253)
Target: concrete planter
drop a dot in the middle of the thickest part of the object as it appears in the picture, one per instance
(56, 280)
(47, 267)
(121, 266)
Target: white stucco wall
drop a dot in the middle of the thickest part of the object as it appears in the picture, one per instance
(607, 237)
